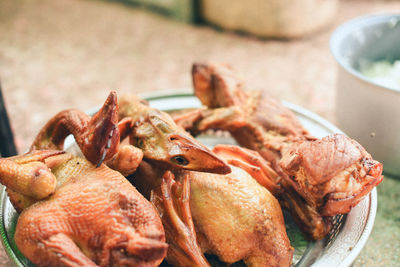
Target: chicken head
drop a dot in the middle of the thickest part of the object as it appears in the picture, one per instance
(162, 141)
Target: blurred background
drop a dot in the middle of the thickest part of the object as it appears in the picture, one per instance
(70, 53)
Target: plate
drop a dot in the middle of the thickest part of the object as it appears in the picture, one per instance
(339, 248)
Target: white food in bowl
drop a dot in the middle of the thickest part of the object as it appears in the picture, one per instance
(382, 72)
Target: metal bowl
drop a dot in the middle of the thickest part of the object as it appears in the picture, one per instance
(339, 248)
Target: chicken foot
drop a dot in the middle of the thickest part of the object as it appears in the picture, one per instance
(172, 202)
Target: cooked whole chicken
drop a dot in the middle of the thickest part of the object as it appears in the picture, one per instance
(234, 217)
(81, 215)
(316, 178)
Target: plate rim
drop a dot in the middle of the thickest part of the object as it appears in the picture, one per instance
(185, 92)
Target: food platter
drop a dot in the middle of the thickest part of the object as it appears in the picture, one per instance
(339, 248)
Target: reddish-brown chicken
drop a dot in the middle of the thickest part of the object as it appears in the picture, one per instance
(317, 178)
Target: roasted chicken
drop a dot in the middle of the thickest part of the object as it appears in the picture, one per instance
(234, 217)
(80, 215)
(316, 178)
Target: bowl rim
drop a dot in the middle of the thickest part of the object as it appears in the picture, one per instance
(351, 26)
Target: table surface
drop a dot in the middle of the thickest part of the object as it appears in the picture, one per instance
(69, 53)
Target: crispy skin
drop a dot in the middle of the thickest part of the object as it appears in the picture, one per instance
(95, 217)
(317, 178)
(250, 211)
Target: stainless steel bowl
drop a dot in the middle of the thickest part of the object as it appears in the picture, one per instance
(340, 248)
(367, 111)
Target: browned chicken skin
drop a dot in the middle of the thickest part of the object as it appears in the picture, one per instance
(97, 136)
(172, 199)
(331, 174)
(317, 178)
(238, 219)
